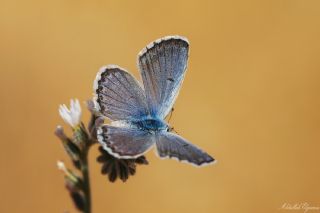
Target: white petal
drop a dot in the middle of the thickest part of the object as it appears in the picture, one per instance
(71, 105)
(65, 108)
(65, 114)
(71, 116)
(78, 107)
(78, 110)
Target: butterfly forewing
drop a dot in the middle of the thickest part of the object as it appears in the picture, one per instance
(119, 95)
(162, 66)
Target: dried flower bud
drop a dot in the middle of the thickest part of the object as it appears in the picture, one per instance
(69, 175)
(94, 124)
(72, 149)
(118, 168)
(59, 132)
(92, 107)
(91, 125)
(78, 200)
(99, 122)
(94, 116)
(74, 185)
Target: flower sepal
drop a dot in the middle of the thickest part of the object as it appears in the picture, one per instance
(81, 136)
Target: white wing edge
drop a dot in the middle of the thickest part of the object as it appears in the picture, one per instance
(159, 40)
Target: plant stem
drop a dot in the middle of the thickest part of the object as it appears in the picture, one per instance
(86, 180)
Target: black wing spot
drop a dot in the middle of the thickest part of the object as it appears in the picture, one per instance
(170, 79)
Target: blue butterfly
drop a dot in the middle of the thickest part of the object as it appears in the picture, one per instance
(138, 111)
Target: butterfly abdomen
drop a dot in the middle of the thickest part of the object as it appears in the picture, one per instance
(151, 125)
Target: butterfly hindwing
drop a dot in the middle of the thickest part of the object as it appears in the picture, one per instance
(125, 142)
(162, 66)
(170, 145)
(119, 95)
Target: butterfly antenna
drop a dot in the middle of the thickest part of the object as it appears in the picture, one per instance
(175, 131)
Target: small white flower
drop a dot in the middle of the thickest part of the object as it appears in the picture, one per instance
(72, 116)
(61, 166)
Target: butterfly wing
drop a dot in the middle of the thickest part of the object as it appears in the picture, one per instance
(162, 65)
(170, 145)
(125, 142)
(118, 95)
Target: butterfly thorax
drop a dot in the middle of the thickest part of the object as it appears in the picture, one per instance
(151, 124)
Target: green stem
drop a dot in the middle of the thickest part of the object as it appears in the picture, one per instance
(86, 180)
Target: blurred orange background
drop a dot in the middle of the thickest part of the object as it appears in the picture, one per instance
(250, 98)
